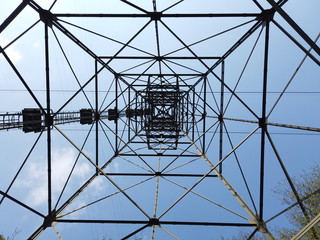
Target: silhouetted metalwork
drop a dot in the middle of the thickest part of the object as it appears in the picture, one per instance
(165, 113)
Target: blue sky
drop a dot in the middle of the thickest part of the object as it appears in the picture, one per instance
(299, 149)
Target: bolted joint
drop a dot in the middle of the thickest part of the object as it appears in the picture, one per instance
(266, 15)
(204, 115)
(47, 17)
(220, 118)
(159, 59)
(154, 222)
(49, 220)
(262, 227)
(116, 153)
(155, 16)
(263, 123)
(116, 75)
(158, 174)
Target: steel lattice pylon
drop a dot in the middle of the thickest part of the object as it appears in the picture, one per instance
(155, 118)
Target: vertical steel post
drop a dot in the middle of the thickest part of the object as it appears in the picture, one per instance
(48, 116)
(221, 115)
(136, 117)
(116, 121)
(193, 111)
(262, 121)
(187, 113)
(141, 106)
(183, 110)
(97, 114)
(178, 110)
(204, 114)
(150, 101)
(129, 119)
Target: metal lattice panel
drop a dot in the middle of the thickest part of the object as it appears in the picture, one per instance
(155, 119)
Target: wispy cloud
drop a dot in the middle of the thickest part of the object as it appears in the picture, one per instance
(35, 181)
(14, 55)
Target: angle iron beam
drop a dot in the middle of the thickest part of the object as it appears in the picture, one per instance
(161, 15)
(159, 154)
(157, 174)
(129, 105)
(161, 75)
(158, 142)
(48, 117)
(116, 121)
(262, 121)
(159, 58)
(204, 113)
(145, 85)
(97, 114)
(160, 222)
(221, 114)
(313, 129)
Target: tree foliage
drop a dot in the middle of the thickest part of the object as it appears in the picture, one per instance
(243, 235)
(12, 237)
(308, 188)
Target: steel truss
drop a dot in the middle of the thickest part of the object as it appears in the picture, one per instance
(161, 114)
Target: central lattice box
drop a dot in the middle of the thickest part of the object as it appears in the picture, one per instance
(167, 110)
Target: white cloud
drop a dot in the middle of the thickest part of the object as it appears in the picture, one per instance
(63, 159)
(116, 166)
(14, 55)
(98, 185)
